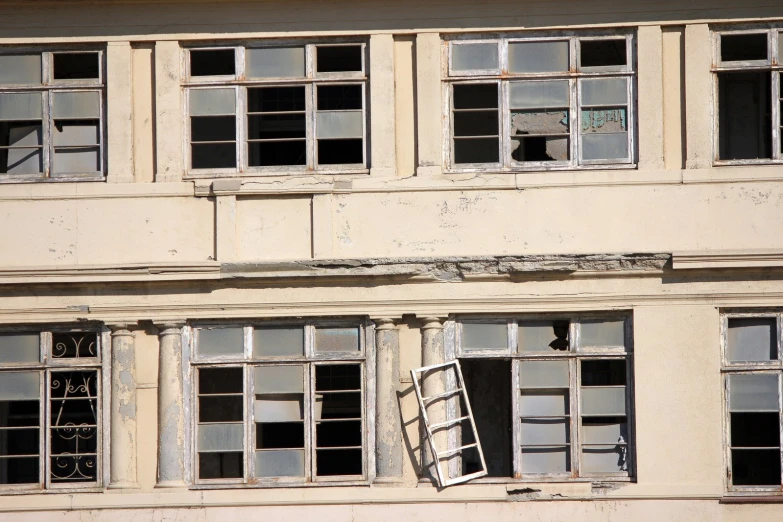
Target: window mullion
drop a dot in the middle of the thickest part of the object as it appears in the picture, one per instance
(310, 422)
(516, 428)
(46, 427)
(775, 114)
(505, 124)
(241, 132)
(48, 142)
(574, 411)
(249, 453)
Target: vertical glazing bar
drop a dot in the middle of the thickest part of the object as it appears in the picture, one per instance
(516, 427)
(775, 115)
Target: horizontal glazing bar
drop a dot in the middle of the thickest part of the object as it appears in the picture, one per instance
(81, 398)
(474, 137)
(319, 421)
(251, 113)
(754, 447)
(5, 428)
(273, 140)
(19, 456)
(335, 448)
(534, 417)
(565, 444)
(72, 427)
(74, 454)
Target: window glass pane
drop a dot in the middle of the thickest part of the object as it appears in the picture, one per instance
(537, 122)
(22, 470)
(221, 437)
(20, 69)
(221, 341)
(604, 459)
(77, 105)
(545, 460)
(220, 380)
(539, 95)
(604, 372)
(543, 336)
(213, 156)
(757, 392)
(76, 132)
(752, 339)
(271, 153)
(755, 467)
(208, 102)
(280, 463)
(604, 430)
(334, 377)
(209, 62)
(76, 66)
(604, 146)
(603, 54)
(478, 336)
(604, 91)
(603, 401)
(278, 341)
(20, 106)
(278, 408)
(545, 431)
(741, 47)
(21, 161)
(474, 56)
(534, 374)
(19, 386)
(598, 332)
(278, 379)
(476, 123)
(276, 99)
(76, 161)
(339, 97)
(534, 57)
(337, 340)
(220, 465)
(744, 127)
(342, 58)
(475, 96)
(339, 124)
(543, 404)
(280, 62)
(17, 348)
(605, 120)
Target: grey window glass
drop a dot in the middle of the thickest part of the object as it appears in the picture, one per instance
(552, 374)
(76, 132)
(604, 146)
(545, 460)
(543, 403)
(597, 400)
(601, 431)
(474, 56)
(484, 336)
(20, 69)
(534, 57)
(19, 386)
(275, 341)
(752, 339)
(280, 463)
(339, 124)
(221, 341)
(276, 62)
(596, 332)
(20, 106)
(278, 379)
(603, 459)
(539, 95)
(75, 161)
(19, 348)
(337, 340)
(210, 102)
(757, 392)
(278, 408)
(604, 91)
(221, 437)
(76, 105)
(544, 431)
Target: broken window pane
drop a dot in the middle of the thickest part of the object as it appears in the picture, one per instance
(275, 62)
(342, 58)
(484, 336)
(474, 56)
(535, 122)
(74, 454)
(19, 348)
(19, 448)
(603, 387)
(76, 66)
(599, 332)
(741, 47)
(221, 437)
(543, 336)
(546, 460)
(213, 156)
(212, 62)
(220, 465)
(275, 341)
(220, 341)
(753, 339)
(539, 148)
(274, 99)
(20, 69)
(476, 135)
(20, 106)
(744, 111)
(543, 374)
(338, 462)
(604, 146)
(278, 379)
(330, 405)
(537, 57)
(604, 372)
(758, 392)
(603, 54)
(337, 340)
(538, 95)
(220, 395)
(280, 463)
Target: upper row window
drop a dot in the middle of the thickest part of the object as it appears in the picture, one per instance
(518, 103)
(51, 115)
(284, 108)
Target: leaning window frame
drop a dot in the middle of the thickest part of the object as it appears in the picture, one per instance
(45, 366)
(773, 64)
(47, 87)
(503, 78)
(365, 357)
(729, 368)
(453, 350)
(240, 84)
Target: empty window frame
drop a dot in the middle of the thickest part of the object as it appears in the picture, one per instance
(551, 396)
(51, 115)
(277, 108)
(752, 373)
(51, 409)
(280, 403)
(748, 101)
(554, 102)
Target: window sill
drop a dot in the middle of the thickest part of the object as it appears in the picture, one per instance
(6, 179)
(534, 169)
(277, 485)
(56, 491)
(755, 497)
(287, 174)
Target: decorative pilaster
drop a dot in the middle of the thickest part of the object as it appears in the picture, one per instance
(171, 410)
(433, 352)
(388, 438)
(123, 408)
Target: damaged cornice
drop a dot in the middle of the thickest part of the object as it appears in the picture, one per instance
(727, 259)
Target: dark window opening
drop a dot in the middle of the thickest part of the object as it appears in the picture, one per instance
(603, 53)
(19, 447)
(333, 377)
(476, 123)
(74, 345)
(476, 96)
(220, 380)
(741, 47)
(340, 152)
(338, 434)
(755, 430)
(212, 128)
(339, 97)
(279, 435)
(277, 153)
(213, 156)
(488, 386)
(755, 467)
(338, 462)
(539, 148)
(276, 99)
(344, 58)
(603, 373)
(745, 126)
(76, 66)
(217, 62)
(220, 465)
(74, 452)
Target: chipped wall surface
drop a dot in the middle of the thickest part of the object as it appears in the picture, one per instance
(274, 228)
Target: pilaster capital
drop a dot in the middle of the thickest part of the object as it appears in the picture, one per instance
(432, 322)
(121, 328)
(385, 323)
(170, 328)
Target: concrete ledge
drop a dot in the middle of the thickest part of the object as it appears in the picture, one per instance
(727, 259)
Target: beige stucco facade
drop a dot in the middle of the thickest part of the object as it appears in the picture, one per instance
(674, 242)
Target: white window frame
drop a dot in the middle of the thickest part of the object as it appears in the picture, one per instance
(728, 368)
(310, 81)
(773, 63)
(453, 334)
(503, 78)
(46, 365)
(365, 358)
(49, 86)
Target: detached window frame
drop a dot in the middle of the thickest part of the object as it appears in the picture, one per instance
(71, 471)
(573, 105)
(310, 80)
(773, 63)
(311, 360)
(574, 355)
(737, 366)
(49, 88)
